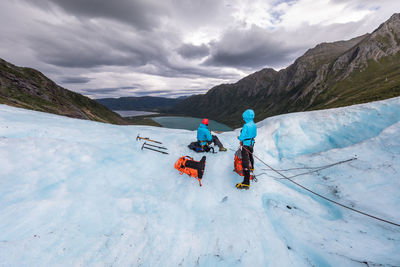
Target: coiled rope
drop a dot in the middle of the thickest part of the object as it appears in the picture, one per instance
(321, 196)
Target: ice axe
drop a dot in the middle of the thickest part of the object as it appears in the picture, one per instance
(147, 139)
(143, 146)
(160, 147)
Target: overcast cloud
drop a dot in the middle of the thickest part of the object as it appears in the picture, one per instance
(75, 79)
(172, 48)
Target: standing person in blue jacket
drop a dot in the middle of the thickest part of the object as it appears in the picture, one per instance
(247, 135)
(204, 136)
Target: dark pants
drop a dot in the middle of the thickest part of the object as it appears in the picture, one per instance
(216, 141)
(247, 162)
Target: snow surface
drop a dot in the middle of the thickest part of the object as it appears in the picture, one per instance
(81, 193)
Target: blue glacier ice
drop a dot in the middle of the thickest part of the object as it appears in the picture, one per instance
(82, 193)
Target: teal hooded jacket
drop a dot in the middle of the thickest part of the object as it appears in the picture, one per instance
(203, 134)
(249, 130)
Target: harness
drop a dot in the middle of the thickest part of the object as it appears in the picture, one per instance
(252, 141)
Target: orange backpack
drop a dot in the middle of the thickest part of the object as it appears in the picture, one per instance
(237, 163)
(191, 167)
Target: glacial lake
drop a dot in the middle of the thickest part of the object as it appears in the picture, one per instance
(189, 123)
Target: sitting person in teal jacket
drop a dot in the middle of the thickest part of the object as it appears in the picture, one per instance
(246, 138)
(204, 136)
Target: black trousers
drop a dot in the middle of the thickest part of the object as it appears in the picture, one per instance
(247, 162)
(216, 141)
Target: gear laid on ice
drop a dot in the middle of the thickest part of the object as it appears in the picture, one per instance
(150, 146)
(146, 146)
(147, 139)
(191, 167)
(159, 147)
(195, 146)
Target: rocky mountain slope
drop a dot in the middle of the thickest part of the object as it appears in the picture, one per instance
(30, 89)
(359, 70)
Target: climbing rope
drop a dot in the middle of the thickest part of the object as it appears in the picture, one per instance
(314, 169)
(321, 196)
(319, 167)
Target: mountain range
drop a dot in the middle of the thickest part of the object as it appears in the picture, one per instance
(363, 69)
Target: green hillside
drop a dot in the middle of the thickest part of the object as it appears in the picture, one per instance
(30, 89)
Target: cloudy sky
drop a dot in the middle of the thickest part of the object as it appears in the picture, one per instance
(170, 48)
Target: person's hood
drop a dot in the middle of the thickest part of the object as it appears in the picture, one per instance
(202, 125)
(248, 115)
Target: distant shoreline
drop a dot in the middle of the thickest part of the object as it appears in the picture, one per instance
(134, 113)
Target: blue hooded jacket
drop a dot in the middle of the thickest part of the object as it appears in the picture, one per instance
(203, 134)
(249, 130)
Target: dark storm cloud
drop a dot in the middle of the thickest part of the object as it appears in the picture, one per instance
(142, 14)
(252, 48)
(168, 69)
(189, 91)
(88, 45)
(107, 90)
(192, 14)
(193, 51)
(75, 79)
(174, 94)
(170, 93)
(138, 90)
(256, 47)
(152, 92)
(123, 92)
